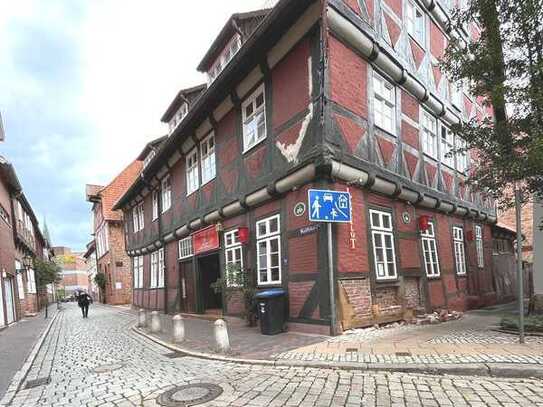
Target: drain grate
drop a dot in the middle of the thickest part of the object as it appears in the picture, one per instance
(189, 395)
(37, 382)
(403, 353)
(351, 350)
(175, 355)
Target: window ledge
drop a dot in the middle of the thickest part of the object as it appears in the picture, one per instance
(246, 150)
(208, 181)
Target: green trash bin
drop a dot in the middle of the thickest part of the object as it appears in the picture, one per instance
(272, 309)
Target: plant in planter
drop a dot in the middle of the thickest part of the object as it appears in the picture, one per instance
(100, 281)
(238, 281)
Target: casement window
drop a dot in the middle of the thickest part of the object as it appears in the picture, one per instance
(461, 156)
(153, 283)
(456, 95)
(459, 250)
(102, 241)
(447, 146)
(166, 186)
(20, 283)
(137, 266)
(207, 158)
(185, 248)
(268, 250)
(384, 104)
(383, 245)
(479, 246)
(30, 281)
(429, 135)
(160, 278)
(254, 119)
(138, 217)
(148, 158)
(155, 205)
(178, 117)
(429, 249)
(4, 215)
(233, 253)
(193, 180)
(226, 56)
(415, 23)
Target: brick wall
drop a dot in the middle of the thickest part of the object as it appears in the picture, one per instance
(358, 292)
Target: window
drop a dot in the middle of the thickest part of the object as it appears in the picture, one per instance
(226, 56)
(459, 253)
(429, 135)
(185, 248)
(456, 95)
(30, 281)
(138, 271)
(414, 21)
(135, 218)
(141, 220)
(461, 156)
(148, 158)
(20, 284)
(102, 241)
(166, 185)
(192, 172)
(207, 154)
(4, 215)
(383, 245)
(447, 145)
(138, 217)
(178, 117)
(429, 249)
(233, 254)
(160, 279)
(479, 246)
(155, 205)
(254, 119)
(384, 100)
(268, 251)
(154, 270)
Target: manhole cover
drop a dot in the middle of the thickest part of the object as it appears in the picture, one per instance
(175, 355)
(37, 382)
(108, 368)
(189, 395)
(351, 350)
(403, 353)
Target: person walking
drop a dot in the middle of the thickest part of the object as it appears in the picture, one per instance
(84, 300)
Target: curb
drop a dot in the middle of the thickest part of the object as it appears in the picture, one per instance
(21, 375)
(503, 370)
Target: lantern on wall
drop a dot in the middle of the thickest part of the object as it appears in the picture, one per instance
(470, 236)
(243, 235)
(424, 223)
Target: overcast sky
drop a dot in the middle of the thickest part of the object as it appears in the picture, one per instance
(83, 85)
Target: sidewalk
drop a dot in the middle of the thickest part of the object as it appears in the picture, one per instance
(16, 343)
(466, 346)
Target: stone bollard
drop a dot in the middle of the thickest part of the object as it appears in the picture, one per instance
(155, 322)
(141, 318)
(221, 336)
(178, 328)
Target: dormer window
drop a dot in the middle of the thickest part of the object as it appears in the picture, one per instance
(224, 58)
(178, 116)
(148, 158)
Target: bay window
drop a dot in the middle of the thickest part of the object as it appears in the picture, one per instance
(268, 248)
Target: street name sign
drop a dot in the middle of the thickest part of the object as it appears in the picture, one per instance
(329, 206)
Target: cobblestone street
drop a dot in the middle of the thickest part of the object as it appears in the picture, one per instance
(100, 361)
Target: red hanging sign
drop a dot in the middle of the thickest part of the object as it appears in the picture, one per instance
(205, 240)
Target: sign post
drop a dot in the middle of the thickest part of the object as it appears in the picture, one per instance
(330, 207)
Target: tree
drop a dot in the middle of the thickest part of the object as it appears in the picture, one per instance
(100, 281)
(504, 68)
(47, 272)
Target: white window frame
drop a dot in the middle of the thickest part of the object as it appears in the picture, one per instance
(429, 135)
(178, 116)
(193, 179)
(135, 218)
(479, 246)
(160, 278)
(429, 251)
(251, 135)
(447, 145)
(382, 268)
(30, 281)
(224, 58)
(456, 95)
(459, 250)
(233, 253)
(185, 248)
(416, 25)
(462, 163)
(267, 238)
(153, 282)
(207, 158)
(384, 101)
(166, 191)
(20, 282)
(155, 204)
(148, 158)
(137, 265)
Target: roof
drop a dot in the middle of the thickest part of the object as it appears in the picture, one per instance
(268, 32)
(227, 32)
(91, 248)
(7, 173)
(109, 194)
(152, 145)
(182, 96)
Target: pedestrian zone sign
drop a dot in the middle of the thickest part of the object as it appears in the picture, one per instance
(329, 206)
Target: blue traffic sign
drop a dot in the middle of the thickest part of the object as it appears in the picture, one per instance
(329, 206)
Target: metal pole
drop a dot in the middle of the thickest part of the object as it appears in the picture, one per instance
(520, 271)
(333, 322)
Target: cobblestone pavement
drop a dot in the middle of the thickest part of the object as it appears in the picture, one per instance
(99, 361)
